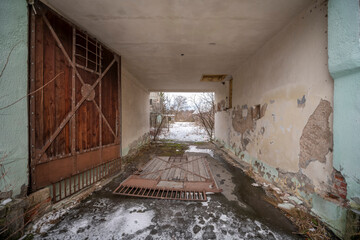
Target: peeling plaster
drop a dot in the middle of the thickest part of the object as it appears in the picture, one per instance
(318, 173)
(316, 139)
(242, 119)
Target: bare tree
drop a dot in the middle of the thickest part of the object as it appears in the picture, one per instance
(204, 105)
(160, 110)
(178, 105)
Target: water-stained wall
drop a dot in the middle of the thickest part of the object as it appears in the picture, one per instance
(281, 120)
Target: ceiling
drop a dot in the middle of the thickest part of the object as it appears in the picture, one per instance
(214, 36)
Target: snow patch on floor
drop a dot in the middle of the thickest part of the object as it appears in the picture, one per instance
(126, 221)
(194, 149)
(6, 201)
(184, 131)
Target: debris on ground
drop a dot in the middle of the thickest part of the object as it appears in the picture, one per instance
(239, 212)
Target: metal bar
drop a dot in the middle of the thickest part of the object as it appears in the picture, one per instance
(101, 116)
(90, 41)
(230, 92)
(130, 189)
(65, 187)
(79, 45)
(86, 52)
(73, 98)
(96, 55)
(79, 55)
(87, 69)
(119, 132)
(124, 189)
(82, 180)
(32, 98)
(149, 192)
(98, 173)
(54, 192)
(60, 192)
(119, 187)
(193, 173)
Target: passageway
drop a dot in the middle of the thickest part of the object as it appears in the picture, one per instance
(241, 210)
(79, 84)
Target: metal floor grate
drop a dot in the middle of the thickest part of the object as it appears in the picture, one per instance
(161, 193)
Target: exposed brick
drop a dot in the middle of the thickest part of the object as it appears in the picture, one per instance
(340, 185)
(343, 185)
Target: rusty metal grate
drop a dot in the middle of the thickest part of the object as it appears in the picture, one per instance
(161, 193)
(186, 178)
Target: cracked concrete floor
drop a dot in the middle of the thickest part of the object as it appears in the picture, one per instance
(237, 213)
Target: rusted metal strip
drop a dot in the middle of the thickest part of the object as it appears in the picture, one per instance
(54, 191)
(87, 69)
(99, 108)
(79, 45)
(32, 98)
(119, 115)
(161, 193)
(73, 92)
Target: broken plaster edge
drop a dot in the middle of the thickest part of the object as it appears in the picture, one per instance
(331, 214)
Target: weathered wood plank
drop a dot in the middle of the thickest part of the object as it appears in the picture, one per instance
(202, 168)
(49, 91)
(39, 82)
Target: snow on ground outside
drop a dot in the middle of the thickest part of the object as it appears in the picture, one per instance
(184, 131)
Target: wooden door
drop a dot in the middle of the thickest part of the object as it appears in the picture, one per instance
(75, 108)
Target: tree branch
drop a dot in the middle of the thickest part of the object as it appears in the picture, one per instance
(33, 92)
(7, 60)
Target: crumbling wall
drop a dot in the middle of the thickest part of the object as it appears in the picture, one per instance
(316, 138)
(281, 122)
(135, 113)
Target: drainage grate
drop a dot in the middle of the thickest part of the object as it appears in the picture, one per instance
(161, 193)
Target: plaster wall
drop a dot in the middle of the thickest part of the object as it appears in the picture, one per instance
(289, 142)
(13, 86)
(344, 65)
(135, 113)
(290, 66)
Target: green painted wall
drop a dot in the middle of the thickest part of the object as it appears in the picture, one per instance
(344, 66)
(13, 85)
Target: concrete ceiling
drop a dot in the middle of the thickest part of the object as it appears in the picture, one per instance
(215, 36)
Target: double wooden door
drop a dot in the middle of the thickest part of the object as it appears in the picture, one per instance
(74, 100)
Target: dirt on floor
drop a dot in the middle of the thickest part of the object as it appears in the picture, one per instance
(241, 211)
